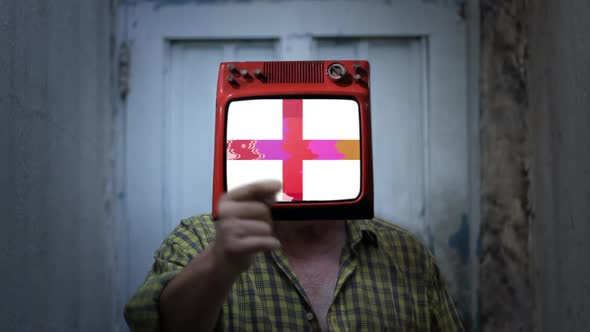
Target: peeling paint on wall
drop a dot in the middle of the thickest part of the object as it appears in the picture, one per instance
(460, 240)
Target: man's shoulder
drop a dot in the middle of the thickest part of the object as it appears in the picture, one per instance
(404, 245)
(202, 225)
(396, 233)
(199, 222)
(193, 233)
(385, 226)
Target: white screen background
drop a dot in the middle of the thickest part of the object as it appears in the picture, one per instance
(323, 119)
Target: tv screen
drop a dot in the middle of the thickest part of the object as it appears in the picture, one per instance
(312, 145)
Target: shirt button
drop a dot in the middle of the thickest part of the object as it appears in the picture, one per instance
(309, 316)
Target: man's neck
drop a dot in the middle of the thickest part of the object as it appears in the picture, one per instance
(309, 239)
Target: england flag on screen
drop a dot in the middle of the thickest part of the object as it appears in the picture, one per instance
(311, 145)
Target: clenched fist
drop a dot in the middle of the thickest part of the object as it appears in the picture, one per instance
(244, 225)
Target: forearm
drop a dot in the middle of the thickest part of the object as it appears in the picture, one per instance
(192, 300)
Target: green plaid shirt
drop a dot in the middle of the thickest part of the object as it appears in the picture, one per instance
(388, 281)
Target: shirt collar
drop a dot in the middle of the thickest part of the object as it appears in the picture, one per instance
(362, 230)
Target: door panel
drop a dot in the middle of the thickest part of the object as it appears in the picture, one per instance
(182, 134)
(397, 121)
(191, 89)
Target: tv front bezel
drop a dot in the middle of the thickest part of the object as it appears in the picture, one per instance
(359, 208)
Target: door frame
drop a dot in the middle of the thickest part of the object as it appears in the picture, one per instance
(437, 26)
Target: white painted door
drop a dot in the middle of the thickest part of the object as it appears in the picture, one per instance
(419, 112)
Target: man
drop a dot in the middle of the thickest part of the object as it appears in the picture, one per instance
(245, 272)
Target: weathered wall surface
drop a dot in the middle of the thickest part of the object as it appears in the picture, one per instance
(535, 75)
(56, 240)
(559, 90)
(446, 3)
(505, 298)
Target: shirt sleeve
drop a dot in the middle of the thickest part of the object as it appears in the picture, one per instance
(444, 317)
(142, 311)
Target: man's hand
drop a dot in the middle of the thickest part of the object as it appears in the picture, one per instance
(193, 299)
(244, 227)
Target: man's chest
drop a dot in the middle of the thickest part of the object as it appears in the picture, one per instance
(318, 280)
(303, 297)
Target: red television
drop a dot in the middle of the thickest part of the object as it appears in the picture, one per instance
(304, 123)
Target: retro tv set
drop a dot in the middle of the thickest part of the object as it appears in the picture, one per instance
(304, 123)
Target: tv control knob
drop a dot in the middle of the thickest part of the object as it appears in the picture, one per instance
(232, 68)
(232, 81)
(336, 71)
(358, 69)
(258, 73)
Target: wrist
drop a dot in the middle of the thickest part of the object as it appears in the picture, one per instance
(218, 267)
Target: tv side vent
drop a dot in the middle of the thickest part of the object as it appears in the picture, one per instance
(294, 72)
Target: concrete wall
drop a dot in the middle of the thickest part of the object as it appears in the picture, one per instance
(535, 74)
(56, 237)
(505, 292)
(559, 90)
